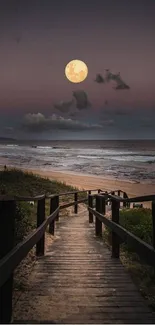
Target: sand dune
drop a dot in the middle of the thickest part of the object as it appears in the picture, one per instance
(93, 182)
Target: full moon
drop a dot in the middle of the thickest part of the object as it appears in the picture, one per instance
(76, 71)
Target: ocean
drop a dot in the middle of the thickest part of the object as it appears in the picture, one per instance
(127, 160)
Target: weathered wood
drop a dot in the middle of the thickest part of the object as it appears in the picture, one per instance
(98, 223)
(145, 251)
(21, 198)
(9, 262)
(153, 224)
(115, 237)
(67, 205)
(90, 204)
(53, 205)
(40, 246)
(144, 198)
(69, 193)
(7, 230)
(74, 290)
(57, 205)
(76, 205)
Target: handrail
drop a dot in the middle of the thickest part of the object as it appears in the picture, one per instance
(39, 197)
(145, 250)
(144, 198)
(10, 260)
(16, 255)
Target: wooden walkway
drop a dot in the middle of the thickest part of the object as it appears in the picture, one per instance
(77, 281)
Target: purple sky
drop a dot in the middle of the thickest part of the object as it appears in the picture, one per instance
(39, 37)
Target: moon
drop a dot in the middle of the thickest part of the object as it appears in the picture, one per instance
(76, 71)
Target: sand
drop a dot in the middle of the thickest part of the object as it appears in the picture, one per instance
(95, 182)
(89, 182)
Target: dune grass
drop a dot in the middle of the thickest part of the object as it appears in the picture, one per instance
(16, 182)
(138, 222)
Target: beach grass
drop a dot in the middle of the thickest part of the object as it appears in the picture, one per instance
(15, 182)
(138, 222)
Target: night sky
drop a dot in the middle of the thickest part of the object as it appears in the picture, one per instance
(39, 37)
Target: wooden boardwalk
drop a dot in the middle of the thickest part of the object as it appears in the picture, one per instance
(77, 281)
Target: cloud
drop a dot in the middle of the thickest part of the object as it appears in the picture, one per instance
(81, 98)
(39, 123)
(109, 76)
(63, 106)
(122, 86)
(99, 79)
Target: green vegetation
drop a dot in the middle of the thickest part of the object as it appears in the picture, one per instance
(16, 182)
(138, 222)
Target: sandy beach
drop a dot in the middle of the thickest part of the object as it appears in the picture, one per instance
(86, 182)
(93, 182)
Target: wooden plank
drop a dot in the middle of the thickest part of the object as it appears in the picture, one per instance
(7, 229)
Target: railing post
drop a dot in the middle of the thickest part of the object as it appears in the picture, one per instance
(89, 192)
(115, 237)
(7, 228)
(76, 205)
(90, 204)
(124, 203)
(98, 223)
(52, 209)
(153, 224)
(57, 205)
(40, 246)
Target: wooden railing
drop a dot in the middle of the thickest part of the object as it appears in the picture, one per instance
(11, 256)
(120, 234)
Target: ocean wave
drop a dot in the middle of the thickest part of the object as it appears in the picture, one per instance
(12, 145)
(42, 147)
(90, 157)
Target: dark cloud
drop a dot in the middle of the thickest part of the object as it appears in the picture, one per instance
(39, 123)
(81, 98)
(109, 76)
(122, 86)
(99, 79)
(63, 106)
